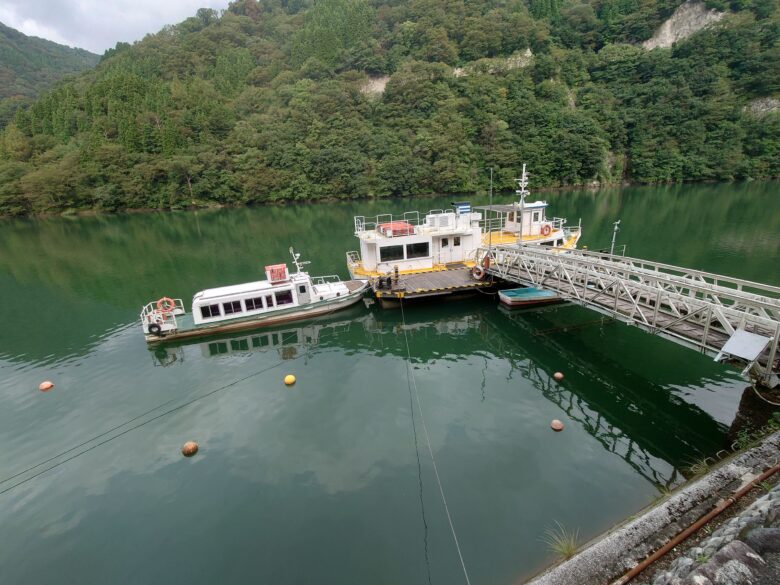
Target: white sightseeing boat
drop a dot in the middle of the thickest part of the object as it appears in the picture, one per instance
(280, 298)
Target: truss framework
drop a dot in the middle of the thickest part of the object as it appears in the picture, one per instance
(693, 308)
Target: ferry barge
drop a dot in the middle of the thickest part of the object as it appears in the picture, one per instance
(282, 297)
(416, 255)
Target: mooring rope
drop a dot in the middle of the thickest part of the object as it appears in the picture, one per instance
(419, 477)
(428, 441)
(764, 399)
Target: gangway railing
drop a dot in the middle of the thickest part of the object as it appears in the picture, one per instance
(728, 318)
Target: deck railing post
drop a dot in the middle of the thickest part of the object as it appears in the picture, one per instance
(772, 353)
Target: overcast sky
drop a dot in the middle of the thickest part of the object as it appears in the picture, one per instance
(97, 25)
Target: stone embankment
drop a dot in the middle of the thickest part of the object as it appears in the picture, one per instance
(744, 550)
(609, 557)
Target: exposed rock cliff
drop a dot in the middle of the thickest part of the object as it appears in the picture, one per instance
(689, 18)
(762, 106)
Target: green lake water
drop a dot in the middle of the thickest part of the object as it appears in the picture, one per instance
(330, 481)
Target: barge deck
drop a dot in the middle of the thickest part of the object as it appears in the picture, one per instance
(455, 279)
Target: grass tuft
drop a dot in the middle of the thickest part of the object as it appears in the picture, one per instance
(699, 466)
(561, 541)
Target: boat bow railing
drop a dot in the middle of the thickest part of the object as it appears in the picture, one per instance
(166, 319)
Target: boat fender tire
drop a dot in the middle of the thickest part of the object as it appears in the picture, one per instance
(478, 273)
(546, 230)
(155, 329)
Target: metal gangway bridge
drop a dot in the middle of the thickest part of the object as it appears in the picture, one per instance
(730, 319)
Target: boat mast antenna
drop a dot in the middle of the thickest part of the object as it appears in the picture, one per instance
(490, 214)
(298, 264)
(522, 182)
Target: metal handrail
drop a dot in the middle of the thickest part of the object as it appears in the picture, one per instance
(653, 296)
(327, 279)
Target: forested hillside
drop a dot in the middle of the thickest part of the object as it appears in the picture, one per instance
(29, 65)
(268, 101)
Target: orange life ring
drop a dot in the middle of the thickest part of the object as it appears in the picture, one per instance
(477, 272)
(546, 229)
(166, 305)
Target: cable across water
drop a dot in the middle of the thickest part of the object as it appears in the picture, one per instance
(430, 449)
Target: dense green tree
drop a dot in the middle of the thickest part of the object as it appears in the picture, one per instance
(267, 101)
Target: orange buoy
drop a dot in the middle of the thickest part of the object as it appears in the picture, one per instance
(189, 448)
(289, 379)
(558, 376)
(45, 386)
(556, 425)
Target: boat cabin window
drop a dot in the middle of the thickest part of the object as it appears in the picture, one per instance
(417, 250)
(208, 311)
(284, 297)
(389, 253)
(254, 304)
(512, 216)
(302, 289)
(535, 217)
(269, 301)
(456, 241)
(445, 242)
(232, 307)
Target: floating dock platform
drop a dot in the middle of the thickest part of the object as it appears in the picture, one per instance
(453, 279)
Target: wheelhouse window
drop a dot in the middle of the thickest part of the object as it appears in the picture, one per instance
(284, 297)
(269, 301)
(232, 307)
(456, 241)
(417, 250)
(390, 253)
(254, 304)
(535, 217)
(302, 289)
(208, 311)
(445, 242)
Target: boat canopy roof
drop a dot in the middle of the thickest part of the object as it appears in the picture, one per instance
(260, 286)
(512, 207)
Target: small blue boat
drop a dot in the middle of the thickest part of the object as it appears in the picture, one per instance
(524, 297)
